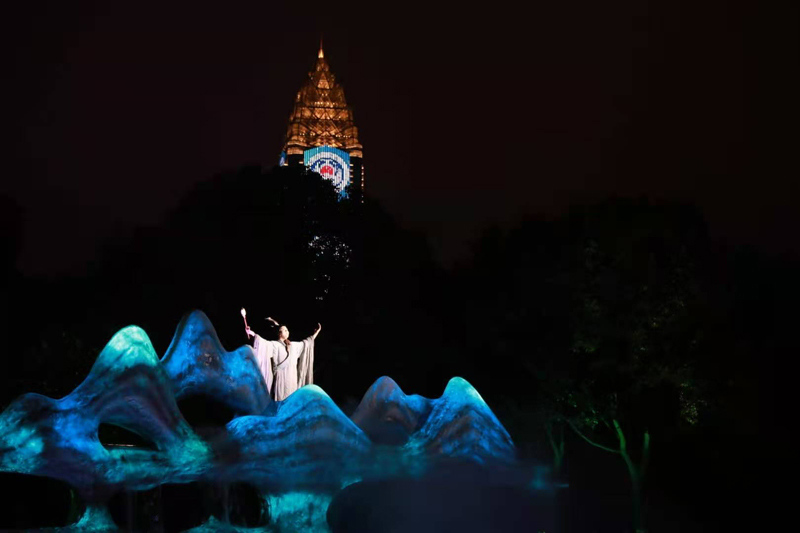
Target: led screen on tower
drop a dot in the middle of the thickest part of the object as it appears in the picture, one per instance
(330, 163)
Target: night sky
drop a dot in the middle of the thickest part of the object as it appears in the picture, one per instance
(468, 116)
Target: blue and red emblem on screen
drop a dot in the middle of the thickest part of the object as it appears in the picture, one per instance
(330, 163)
(330, 169)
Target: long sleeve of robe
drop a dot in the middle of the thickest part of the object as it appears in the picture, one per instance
(294, 367)
(264, 351)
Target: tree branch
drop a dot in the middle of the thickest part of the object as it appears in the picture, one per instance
(645, 453)
(550, 437)
(584, 437)
(623, 445)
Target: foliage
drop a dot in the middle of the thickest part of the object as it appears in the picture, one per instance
(621, 312)
(606, 310)
(278, 242)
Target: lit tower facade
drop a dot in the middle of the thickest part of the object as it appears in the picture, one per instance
(321, 134)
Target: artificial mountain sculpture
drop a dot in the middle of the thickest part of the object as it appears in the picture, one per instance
(303, 449)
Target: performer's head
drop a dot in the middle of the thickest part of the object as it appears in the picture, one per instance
(283, 333)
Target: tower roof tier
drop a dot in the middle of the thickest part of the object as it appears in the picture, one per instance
(321, 116)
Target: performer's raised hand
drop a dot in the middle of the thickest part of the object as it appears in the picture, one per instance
(243, 312)
(316, 331)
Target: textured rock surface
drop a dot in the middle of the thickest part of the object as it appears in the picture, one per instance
(298, 452)
(308, 443)
(458, 425)
(126, 387)
(197, 364)
(387, 415)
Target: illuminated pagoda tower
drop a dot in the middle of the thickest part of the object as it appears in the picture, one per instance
(321, 134)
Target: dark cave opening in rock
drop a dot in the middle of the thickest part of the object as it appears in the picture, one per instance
(239, 504)
(37, 502)
(168, 507)
(114, 436)
(178, 507)
(206, 415)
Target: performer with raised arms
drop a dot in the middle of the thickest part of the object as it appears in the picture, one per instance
(285, 365)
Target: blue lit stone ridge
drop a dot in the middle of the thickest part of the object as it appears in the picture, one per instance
(387, 415)
(126, 387)
(309, 442)
(458, 425)
(304, 445)
(461, 426)
(197, 364)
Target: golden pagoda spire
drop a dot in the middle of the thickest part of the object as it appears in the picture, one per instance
(321, 116)
(321, 130)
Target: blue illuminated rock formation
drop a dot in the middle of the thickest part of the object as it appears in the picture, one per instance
(303, 449)
(458, 425)
(308, 443)
(387, 415)
(461, 426)
(197, 364)
(126, 387)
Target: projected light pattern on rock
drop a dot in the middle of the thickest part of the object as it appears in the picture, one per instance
(298, 453)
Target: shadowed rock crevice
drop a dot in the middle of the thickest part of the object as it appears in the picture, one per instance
(178, 507)
(239, 504)
(206, 415)
(113, 436)
(29, 502)
(168, 507)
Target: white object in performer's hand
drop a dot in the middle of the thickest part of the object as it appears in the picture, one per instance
(246, 327)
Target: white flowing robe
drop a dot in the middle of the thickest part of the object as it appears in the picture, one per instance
(294, 367)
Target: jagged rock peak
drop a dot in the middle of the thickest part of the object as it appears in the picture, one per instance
(197, 364)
